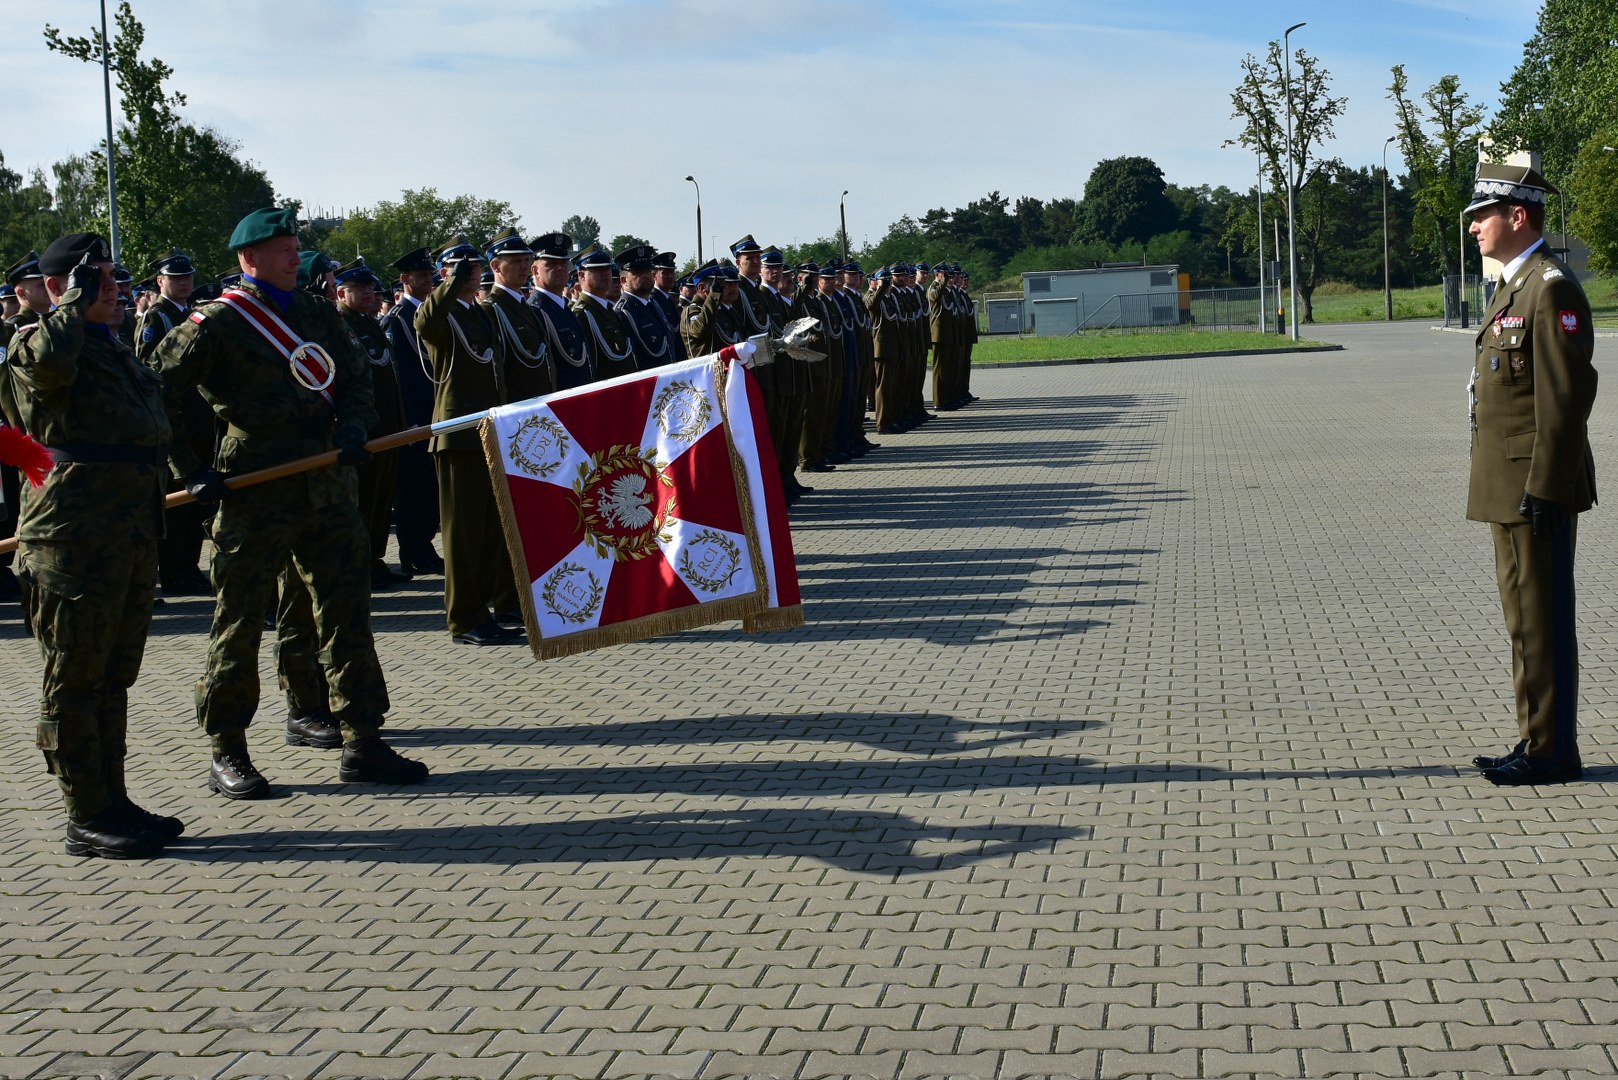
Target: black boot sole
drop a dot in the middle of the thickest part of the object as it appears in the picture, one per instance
(252, 794)
(84, 850)
(335, 743)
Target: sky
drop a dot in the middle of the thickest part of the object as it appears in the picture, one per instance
(603, 107)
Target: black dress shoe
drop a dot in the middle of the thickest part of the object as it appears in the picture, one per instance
(869, 445)
(1526, 770)
(233, 776)
(1483, 762)
(383, 577)
(110, 835)
(158, 826)
(819, 466)
(316, 728)
(801, 489)
(488, 633)
(510, 620)
(425, 563)
(888, 429)
(372, 761)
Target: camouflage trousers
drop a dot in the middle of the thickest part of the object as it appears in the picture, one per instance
(258, 532)
(91, 608)
(297, 646)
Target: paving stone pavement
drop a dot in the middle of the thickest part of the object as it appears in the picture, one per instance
(1127, 737)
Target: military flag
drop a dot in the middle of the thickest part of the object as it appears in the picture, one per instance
(643, 505)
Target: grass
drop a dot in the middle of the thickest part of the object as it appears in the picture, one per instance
(1336, 302)
(1099, 345)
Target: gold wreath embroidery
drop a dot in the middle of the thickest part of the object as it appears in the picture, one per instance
(710, 578)
(532, 434)
(625, 503)
(582, 599)
(682, 411)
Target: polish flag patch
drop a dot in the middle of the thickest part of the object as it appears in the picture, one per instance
(1570, 322)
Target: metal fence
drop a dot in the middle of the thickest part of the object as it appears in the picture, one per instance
(1476, 299)
(1199, 309)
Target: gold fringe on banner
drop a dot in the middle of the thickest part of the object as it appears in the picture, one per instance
(693, 617)
(770, 620)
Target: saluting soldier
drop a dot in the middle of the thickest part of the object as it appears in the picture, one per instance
(469, 372)
(28, 302)
(714, 320)
(530, 372)
(888, 350)
(179, 553)
(1533, 386)
(415, 501)
(88, 539)
(281, 371)
(941, 334)
(650, 332)
(572, 354)
(606, 329)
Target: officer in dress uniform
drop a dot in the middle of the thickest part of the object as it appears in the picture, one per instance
(652, 335)
(468, 365)
(29, 302)
(1533, 385)
(179, 553)
(752, 314)
(666, 291)
(415, 503)
(969, 332)
(530, 370)
(280, 369)
(786, 412)
(850, 420)
(572, 353)
(605, 328)
(88, 539)
(941, 334)
(713, 321)
(888, 349)
(853, 284)
(817, 446)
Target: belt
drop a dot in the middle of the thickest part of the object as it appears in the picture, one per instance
(298, 429)
(108, 454)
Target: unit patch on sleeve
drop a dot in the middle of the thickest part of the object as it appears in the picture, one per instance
(1570, 322)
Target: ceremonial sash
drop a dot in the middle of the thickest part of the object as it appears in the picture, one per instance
(312, 366)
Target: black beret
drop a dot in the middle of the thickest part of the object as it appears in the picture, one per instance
(68, 251)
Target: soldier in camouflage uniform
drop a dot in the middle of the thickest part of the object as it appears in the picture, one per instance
(281, 370)
(89, 539)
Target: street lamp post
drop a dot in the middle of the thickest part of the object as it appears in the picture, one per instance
(112, 167)
(1387, 274)
(1292, 239)
(699, 217)
(842, 216)
(1263, 301)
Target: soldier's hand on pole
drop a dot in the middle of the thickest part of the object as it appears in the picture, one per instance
(206, 485)
(351, 446)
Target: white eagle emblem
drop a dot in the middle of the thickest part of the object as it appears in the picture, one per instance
(627, 503)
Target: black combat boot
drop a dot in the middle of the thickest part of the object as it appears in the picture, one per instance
(110, 835)
(371, 761)
(232, 773)
(313, 727)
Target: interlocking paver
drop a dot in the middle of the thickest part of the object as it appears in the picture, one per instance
(1128, 736)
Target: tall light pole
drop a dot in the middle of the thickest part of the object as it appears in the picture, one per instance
(1387, 274)
(1263, 301)
(842, 216)
(699, 217)
(112, 167)
(1292, 239)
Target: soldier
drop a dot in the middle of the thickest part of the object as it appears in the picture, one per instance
(179, 553)
(942, 334)
(650, 332)
(1533, 385)
(572, 357)
(966, 336)
(825, 391)
(88, 539)
(26, 302)
(791, 377)
(530, 372)
(606, 329)
(714, 320)
(280, 369)
(666, 291)
(125, 282)
(849, 434)
(358, 299)
(9, 305)
(468, 364)
(888, 349)
(415, 499)
(28, 288)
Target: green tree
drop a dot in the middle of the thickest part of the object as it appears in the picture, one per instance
(27, 220)
(625, 241)
(1125, 199)
(1440, 148)
(179, 185)
(1595, 211)
(1260, 102)
(419, 218)
(584, 229)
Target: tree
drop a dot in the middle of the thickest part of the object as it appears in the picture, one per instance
(420, 218)
(1595, 212)
(584, 230)
(27, 220)
(1440, 163)
(1125, 200)
(179, 185)
(1260, 101)
(625, 241)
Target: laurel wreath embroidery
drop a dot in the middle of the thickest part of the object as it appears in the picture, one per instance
(733, 557)
(625, 503)
(682, 411)
(523, 439)
(579, 612)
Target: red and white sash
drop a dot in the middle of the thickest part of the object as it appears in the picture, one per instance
(312, 366)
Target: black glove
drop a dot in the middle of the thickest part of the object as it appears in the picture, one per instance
(86, 278)
(351, 446)
(1542, 514)
(461, 271)
(206, 485)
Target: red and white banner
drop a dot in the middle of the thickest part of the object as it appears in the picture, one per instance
(641, 506)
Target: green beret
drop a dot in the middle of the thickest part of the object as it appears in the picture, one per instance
(312, 263)
(262, 225)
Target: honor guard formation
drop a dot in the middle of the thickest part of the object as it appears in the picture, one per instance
(140, 390)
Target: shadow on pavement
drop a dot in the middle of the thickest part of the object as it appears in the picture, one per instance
(863, 841)
(905, 733)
